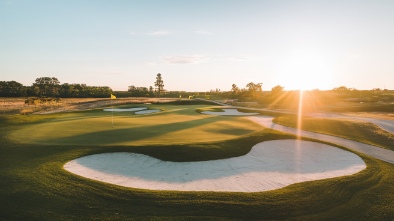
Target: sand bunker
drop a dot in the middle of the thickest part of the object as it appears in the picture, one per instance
(126, 109)
(147, 111)
(228, 112)
(269, 165)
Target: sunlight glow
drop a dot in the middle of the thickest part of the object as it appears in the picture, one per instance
(299, 115)
(299, 128)
(302, 71)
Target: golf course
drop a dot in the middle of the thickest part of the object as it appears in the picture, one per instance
(196, 110)
(189, 160)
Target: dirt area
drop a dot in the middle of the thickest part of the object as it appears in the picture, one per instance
(18, 106)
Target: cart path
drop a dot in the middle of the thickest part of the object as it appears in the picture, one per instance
(374, 151)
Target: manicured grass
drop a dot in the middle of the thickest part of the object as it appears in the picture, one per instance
(34, 185)
(360, 131)
(174, 125)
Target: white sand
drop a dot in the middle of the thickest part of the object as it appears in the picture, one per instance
(228, 112)
(126, 109)
(147, 111)
(269, 165)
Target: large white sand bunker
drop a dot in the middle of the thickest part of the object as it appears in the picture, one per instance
(229, 112)
(269, 165)
(126, 109)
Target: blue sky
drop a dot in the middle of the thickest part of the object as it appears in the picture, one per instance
(199, 45)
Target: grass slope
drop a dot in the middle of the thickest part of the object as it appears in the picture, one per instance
(360, 131)
(34, 186)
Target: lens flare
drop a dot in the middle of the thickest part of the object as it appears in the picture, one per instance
(299, 114)
(298, 151)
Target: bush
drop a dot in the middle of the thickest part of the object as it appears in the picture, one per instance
(37, 101)
(26, 111)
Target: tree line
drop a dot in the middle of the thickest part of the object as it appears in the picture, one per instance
(51, 87)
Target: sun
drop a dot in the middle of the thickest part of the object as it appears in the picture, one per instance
(302, 71)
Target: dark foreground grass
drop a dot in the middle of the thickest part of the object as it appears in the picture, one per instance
(34, 186)
(360, 131)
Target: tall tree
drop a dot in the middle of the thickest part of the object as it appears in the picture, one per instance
(254, 89)
(159, 84)
(46, 86)
(234, 89)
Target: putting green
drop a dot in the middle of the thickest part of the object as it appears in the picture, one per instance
(176, 124)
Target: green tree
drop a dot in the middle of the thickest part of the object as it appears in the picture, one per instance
(277, 90)
(234, 90)
(12, 89)
(276, 93)
(341, 88)
(159, 84)
(46, 86)
(254, 90)
(151, 91)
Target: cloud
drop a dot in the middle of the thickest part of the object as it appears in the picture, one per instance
(201, 32)
(239, 58)
(158, 33)
(184, 59)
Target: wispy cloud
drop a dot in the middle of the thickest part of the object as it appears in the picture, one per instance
(202, 32)
(239, 58)
(159, 33)
(184, 59)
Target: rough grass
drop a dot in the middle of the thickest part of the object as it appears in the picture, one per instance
(34, 186)
(360, 131)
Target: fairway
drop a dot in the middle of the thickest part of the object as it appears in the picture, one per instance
(175, 124)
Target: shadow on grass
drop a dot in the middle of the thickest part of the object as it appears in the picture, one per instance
(113, 135)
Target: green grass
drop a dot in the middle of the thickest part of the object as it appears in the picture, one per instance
(360, 131)
(34, 186)
(174, 125)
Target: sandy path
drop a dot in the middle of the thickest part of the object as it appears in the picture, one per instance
(377, 152)
(269, 165)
